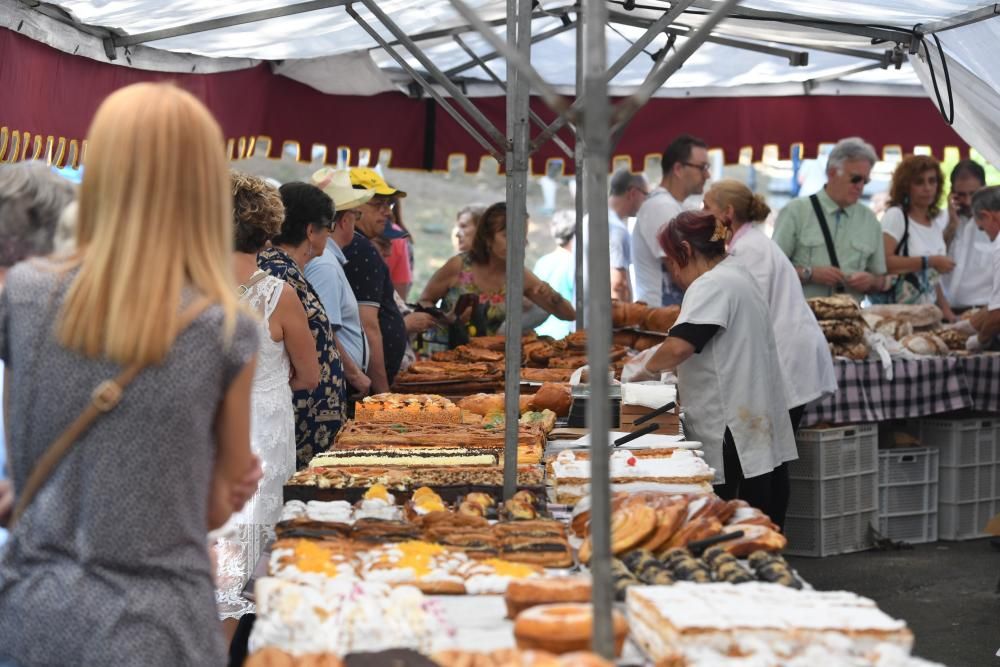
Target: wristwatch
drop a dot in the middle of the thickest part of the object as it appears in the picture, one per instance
(807, 273)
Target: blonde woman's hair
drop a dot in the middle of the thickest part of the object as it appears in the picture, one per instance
(747, 207)
(155, 214)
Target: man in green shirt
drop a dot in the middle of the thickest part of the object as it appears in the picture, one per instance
(854, 230)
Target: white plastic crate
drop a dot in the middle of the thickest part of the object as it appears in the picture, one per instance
(819, 537)
(908, 494)
(964, 521)
(911, 528)
(962, 442)
(835, 452)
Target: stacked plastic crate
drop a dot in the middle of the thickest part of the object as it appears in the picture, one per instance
(834, 491)
(908, 494)
(968, 463)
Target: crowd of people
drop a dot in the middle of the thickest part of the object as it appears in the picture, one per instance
(180, 356)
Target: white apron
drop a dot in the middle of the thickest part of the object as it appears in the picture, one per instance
(735, 380)
(806, 363)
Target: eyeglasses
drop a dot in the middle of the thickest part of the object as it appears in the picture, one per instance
(858, 178)
(382, 203)
(700, 167)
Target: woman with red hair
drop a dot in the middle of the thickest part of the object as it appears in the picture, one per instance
(722, 348)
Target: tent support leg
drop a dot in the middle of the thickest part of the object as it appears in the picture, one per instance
(463, 101)
(519, 36)
(428, 88)
(652, 31)
(535, 118)
(579, 248)
(596, 110)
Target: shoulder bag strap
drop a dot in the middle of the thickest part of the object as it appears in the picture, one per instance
(825, 229)
(104, 398)
(258, 276)
(903, 247)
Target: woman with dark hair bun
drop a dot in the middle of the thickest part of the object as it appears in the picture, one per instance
(722, 348)
(806, 364)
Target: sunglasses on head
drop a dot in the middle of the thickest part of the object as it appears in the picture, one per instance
(858, 178)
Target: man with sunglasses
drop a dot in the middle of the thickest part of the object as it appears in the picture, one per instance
(971, 283)
(685, 171)
(834, 241)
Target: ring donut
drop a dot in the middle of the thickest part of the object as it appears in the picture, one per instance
(563, 628)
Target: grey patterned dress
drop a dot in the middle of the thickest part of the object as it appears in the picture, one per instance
(109, 565)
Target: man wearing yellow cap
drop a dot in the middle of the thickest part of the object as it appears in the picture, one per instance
(368, 276)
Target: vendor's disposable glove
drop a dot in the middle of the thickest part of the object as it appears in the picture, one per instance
(635, 370)
(973, 344)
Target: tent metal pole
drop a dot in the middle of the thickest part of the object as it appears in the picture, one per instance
(225, 22)
(809, 84)
(596, 109)
(463, 101)
(627, 109)
(479, 60)
(535, 118)
(581, 279)
(638, 22)
(557, 13)
(644, 40)
(519, 37)
(959, 20)
(521, 59)
(445, 104)
(897, 36)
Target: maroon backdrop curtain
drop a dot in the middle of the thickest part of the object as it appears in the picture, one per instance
(50, 95)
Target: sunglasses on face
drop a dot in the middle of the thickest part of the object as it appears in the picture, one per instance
(857, 179)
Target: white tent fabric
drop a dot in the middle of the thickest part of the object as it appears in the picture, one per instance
(715, 70)
(975, 83)
(327, 50)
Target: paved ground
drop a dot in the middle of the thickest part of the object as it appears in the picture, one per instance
(946, 592)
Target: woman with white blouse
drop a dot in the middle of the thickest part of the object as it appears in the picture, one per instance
(913, 231)
(806, 364)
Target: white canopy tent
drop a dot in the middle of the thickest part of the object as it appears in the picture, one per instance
(858, 47)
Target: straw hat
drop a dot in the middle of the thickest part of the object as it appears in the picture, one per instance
(337, 184)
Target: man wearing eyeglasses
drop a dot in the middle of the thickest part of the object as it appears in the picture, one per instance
(971, 283)
(685, 171)
(834, 241)
(368, 276)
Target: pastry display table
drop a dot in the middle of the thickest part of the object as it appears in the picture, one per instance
(918, 388)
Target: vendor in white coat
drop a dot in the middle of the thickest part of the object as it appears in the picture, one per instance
(729, 376)
(806, 364)
(986, 210)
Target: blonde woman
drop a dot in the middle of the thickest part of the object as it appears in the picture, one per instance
(108, 563)
(807, 368)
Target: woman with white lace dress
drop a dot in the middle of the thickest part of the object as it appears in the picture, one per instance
(287, 360)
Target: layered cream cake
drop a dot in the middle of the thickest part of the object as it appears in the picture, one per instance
(406, 408)
(669, 470)
(407, 456)
(403, 438)
(668, 621)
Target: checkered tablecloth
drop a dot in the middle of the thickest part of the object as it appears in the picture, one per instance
(919, 387)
